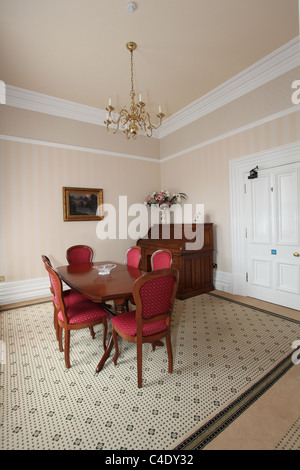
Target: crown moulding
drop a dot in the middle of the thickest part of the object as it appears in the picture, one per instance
(270, 67)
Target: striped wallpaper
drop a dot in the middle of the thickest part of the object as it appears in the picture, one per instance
(32, 177)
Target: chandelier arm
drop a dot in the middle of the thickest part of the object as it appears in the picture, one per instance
(123, 115)
(155, 126)
(147, 128)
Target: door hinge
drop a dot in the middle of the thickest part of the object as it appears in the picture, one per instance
(246, 277)
(246, 232)
(272, 189)
(245, 188)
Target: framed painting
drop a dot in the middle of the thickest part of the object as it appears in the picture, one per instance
(82, 204)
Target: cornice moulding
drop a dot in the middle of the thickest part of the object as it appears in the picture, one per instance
(46, 104)
(270, 67)
(33, 101)
(273, 65)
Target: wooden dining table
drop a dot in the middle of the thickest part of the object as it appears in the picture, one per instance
(116, 286)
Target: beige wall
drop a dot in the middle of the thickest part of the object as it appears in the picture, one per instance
(32, 177)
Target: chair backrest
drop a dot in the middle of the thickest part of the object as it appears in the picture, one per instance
(161, 259)
(154, 295)
(133, 256)
(79, 254)
(57, 290)
(47, 262)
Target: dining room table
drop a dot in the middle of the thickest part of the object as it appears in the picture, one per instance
(102, 285)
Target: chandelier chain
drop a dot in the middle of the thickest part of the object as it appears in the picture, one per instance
(131, 68)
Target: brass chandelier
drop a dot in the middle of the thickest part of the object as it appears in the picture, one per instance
(137, 118)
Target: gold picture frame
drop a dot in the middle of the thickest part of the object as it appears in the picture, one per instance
(82, 204)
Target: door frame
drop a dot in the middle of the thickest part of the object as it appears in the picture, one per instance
(239, 169)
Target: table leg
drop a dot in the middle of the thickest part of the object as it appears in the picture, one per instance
(121, 306)
(106, 354)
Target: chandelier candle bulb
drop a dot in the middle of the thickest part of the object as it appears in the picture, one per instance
(109, 102)
(159, 109)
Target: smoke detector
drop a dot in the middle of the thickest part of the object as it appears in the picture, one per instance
(131, 7)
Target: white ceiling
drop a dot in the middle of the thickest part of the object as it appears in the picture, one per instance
(76, 49)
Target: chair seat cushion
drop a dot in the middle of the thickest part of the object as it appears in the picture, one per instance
(83, 312)
(126, 322)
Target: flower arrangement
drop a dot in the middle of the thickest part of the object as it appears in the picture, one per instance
(164, 199)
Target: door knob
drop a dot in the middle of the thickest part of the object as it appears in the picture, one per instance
(296, 253)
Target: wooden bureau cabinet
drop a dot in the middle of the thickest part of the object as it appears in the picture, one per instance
(195, 265)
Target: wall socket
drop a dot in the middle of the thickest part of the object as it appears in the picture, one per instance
(2, 278)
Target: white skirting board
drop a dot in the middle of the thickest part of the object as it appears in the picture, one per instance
(222, 281)
(31, 289)
(20, 291)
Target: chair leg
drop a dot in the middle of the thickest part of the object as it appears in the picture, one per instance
(170, 353)
(59, 334)
(92, 332)
(55, 321)
(67, 348)
(139, 349)
(115, 339)
(104, 333)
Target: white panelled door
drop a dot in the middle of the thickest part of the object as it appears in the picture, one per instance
(273, 235)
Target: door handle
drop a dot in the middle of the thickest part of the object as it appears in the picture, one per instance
(296, 254)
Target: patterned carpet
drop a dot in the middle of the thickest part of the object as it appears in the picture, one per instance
(225, 355)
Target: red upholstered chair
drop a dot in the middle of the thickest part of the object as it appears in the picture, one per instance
(154, 295)
(133, 256)
(84, 314)
(79, 254)
(70, 296)
(161, 259)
